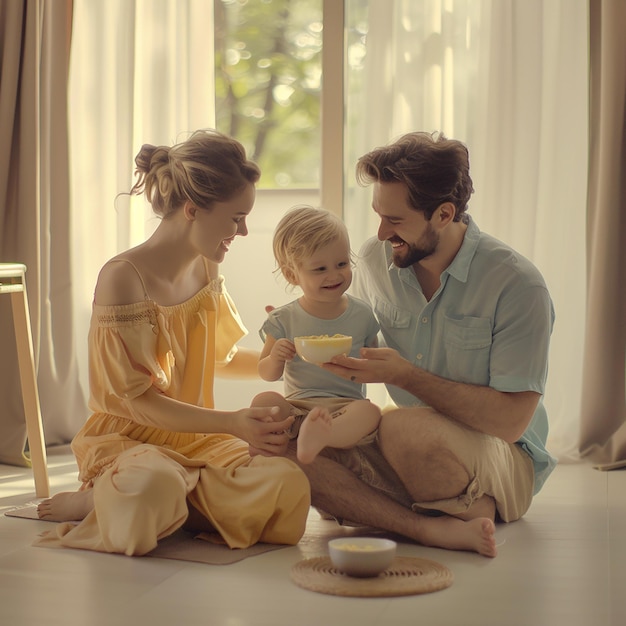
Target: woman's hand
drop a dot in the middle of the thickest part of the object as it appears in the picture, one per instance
(258, 427)
(376, 365)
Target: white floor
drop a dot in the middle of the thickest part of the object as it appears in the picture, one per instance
(563, 564)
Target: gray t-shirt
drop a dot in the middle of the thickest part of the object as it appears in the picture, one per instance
(306, 380)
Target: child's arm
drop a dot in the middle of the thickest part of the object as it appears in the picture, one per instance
(274, 355)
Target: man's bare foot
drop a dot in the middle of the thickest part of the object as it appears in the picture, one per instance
(71, 506)
(314, 434)
(476, 535)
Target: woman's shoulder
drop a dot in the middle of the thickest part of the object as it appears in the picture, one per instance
(119, 282)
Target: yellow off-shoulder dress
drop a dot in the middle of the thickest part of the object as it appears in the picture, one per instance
(142, 475)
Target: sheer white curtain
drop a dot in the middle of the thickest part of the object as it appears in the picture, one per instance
(510, 79)
(141, 71)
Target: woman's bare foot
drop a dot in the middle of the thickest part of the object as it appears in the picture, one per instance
(476, 535)
(71, 506)
(314, 434)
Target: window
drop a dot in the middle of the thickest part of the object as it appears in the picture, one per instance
(268, 75)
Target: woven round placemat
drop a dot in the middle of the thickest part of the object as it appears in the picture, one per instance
(404, 577)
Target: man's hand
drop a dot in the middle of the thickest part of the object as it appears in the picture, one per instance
(376, 365)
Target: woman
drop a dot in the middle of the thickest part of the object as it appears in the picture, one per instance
(155, 455)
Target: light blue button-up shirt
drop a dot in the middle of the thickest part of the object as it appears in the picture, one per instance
(489, 323)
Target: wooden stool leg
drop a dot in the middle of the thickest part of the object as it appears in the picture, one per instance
(30, 394)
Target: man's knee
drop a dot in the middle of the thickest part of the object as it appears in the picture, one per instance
(415, 444)
(409, 431)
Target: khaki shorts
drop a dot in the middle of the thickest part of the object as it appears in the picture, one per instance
(301, 408)
(498, 469)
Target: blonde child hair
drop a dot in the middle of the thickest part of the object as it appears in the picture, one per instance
(300, 233)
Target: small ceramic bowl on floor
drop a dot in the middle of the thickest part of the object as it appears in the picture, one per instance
(361, 557)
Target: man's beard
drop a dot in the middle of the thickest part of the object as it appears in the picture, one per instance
(412, 253)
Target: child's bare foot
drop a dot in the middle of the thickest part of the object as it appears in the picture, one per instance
(71, 506)
(476, 535)
(314, 434)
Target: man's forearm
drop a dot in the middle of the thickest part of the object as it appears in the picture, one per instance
(504, 415)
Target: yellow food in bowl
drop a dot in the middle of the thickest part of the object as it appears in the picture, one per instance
(324, 339)
(353, 547)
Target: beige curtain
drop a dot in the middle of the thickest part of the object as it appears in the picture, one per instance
(141, 71)
(603, 418)
(34, 215)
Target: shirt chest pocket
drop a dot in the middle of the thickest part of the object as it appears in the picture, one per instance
(395, 326)
(467, 345)
(391, 316)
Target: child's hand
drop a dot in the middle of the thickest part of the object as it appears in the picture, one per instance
(283, 350)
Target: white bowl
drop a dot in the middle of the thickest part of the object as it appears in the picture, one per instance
(322, 348)
(361, 557)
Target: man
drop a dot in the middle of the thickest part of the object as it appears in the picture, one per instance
(466, 323)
